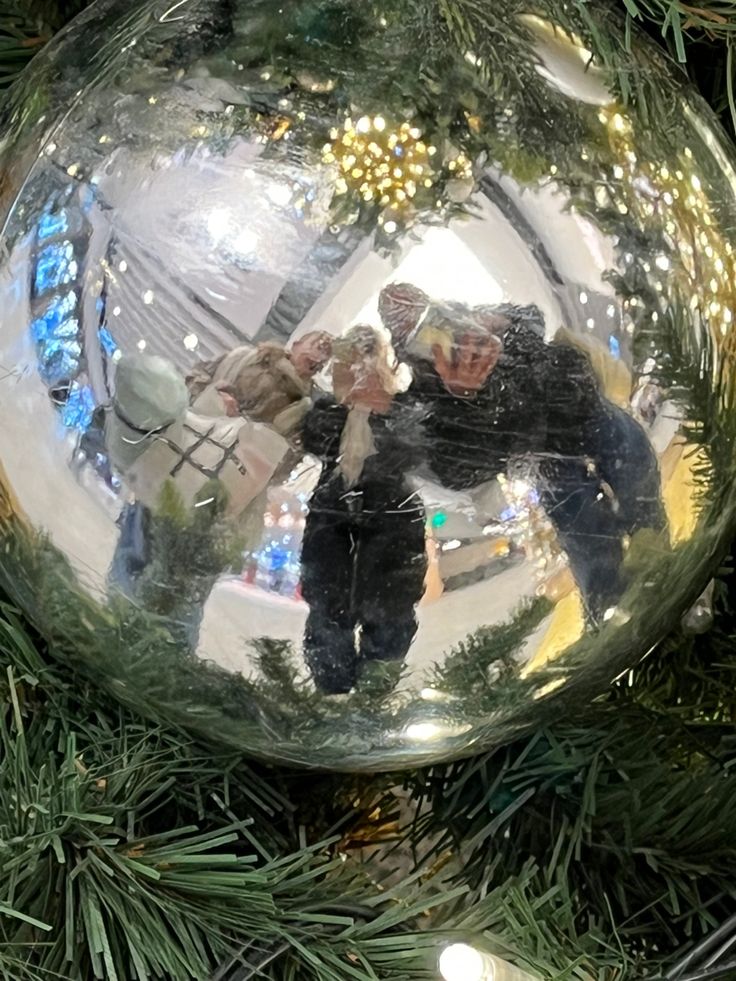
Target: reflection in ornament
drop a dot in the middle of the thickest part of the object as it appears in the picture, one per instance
(389, 167)
(229, 214)
(381, 164)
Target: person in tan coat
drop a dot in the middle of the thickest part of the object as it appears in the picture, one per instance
(266, 383)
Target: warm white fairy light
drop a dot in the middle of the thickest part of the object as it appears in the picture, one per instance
(677, 197)
(389, 165)
(461, 962)
(530, 526)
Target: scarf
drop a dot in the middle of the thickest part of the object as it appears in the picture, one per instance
(356, 445)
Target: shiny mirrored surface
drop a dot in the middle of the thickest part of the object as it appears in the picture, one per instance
(363, 401)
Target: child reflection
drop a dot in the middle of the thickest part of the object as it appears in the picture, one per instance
(494, 390)
(364, 555)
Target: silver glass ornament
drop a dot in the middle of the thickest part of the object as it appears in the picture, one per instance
(368, 368)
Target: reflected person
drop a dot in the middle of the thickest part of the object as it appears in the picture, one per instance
(494, 391)
(198, 471)
(364, 558)
(266, 382)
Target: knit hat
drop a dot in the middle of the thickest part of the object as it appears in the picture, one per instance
(150, 396)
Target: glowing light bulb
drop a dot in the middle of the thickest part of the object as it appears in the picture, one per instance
(461, 962)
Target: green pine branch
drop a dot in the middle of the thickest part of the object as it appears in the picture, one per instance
(21, 36)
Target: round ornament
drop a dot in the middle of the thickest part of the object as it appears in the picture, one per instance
(368, 367)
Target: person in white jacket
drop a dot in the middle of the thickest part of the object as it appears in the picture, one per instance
(197, 461)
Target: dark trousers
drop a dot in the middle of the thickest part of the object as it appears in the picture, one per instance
(594, 508)
(362, 576)
(133, 549)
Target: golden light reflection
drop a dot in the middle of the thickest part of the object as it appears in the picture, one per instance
(386, 165)
(705, 274)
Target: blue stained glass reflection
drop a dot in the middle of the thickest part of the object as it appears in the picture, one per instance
(53, 224)
(60, 367)
(59, 311)
(614, 346)
(108, 343)
(56, 345)
(79, 408)
(55, 266)
(64, 331)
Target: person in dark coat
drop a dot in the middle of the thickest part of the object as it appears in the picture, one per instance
(364, 558)
(493, 391)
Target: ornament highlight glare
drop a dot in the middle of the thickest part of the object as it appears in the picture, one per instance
(367, 401)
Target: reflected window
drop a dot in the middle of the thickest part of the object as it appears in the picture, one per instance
(57, 320)
(55, 266)
(107, 341)
(79, 408)
(59, 365)
(51, 225)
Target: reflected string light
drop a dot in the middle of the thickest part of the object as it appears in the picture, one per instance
(700, 253)
(530, 524)
(387, 166)
(381, 164)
